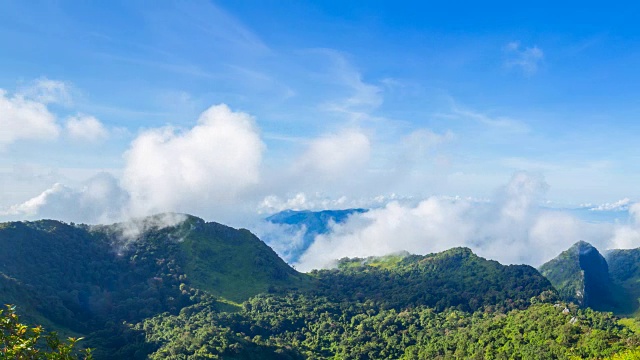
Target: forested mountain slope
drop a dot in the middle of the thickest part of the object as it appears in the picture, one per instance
(453, 278)
(177, 287)
(624, 267)
(581, 275)
(79, 278)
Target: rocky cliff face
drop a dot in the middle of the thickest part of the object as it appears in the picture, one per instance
(598, 287)
(581, 275)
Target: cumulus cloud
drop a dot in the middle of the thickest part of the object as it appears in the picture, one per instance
(511, 228)
(200, 168)
(526, 59)
(86, 128)
(99, 200)
(335, 155)
(22, 118)
(25, 114)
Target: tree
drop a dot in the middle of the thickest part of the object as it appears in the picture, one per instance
(19, 341)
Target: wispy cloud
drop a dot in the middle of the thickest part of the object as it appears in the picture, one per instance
(47, 91)
(220, 26)
(503, 123)
(363, 97)
(524, 58)
(178, 68)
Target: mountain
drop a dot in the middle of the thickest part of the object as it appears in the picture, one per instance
(78, 276)
(453, 278)
(313, 223)
(624, 267)
(452, 304)
(174, 287)
(581, 275)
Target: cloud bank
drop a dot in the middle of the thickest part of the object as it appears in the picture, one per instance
(202, 170)
(510, 228)
(99, 200)
(216, 167)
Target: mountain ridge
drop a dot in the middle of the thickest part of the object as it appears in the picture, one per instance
(156, 287)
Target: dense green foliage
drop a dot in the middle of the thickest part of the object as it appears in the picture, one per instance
(624, 266)
(89, 280)
(234, 264)
(19, 341)
(581, 275)
(299, 327)
(453, 278)
(197, 290)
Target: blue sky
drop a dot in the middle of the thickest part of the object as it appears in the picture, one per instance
(346, 103)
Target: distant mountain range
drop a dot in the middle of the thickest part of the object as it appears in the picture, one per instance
(312, 223)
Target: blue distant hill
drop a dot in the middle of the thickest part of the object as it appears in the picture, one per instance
(315, 222)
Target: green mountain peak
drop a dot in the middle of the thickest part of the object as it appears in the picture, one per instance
(581, 275)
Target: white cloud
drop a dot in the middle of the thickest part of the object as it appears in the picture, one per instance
(22, 118)
(362, 97)
(100, 199)
(86, 128)
(498, 123)
(511, 228)
(286, 240)
(620, 205)
(47, 91)
(627, 236)
(194, 170)
(217, 25)
(526, 59)
(333, 156)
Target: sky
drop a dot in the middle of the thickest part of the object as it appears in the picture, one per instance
(233, 110)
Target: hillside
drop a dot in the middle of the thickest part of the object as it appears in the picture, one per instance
(581, 275)
(302, 327)
(77, 276)
(453, 278)
(177, 287)
(624, 267)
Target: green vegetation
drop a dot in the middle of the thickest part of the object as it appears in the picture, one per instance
(581, 275)
(624, 266)
(198, 290)
(301, 327)
(20, 341)
(210, 255)
(453, 278)
(95, 281)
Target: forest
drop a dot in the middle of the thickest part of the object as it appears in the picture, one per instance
(199, 290)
